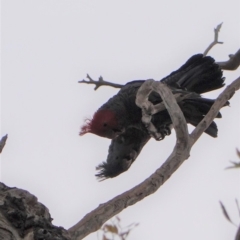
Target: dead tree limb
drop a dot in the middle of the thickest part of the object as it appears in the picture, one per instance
(22, 217)
(215, 41)
(100, 82)
(233, 62)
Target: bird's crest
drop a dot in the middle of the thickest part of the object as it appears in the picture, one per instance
(86, 128)
(103, 123)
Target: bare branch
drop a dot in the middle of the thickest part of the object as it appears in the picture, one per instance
(100, 82)
(233, 62)
(3, 142)
(215, 41)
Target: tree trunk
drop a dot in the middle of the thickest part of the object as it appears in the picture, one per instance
(23, 217)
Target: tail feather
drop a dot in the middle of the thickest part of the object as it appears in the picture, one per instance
(195, 110)
(199, 74)
(212, 130)
(198, 106)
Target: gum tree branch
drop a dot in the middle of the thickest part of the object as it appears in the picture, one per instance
(215, 41)
(233, 62)
(100, 82)
(22, 217)
(234, 59)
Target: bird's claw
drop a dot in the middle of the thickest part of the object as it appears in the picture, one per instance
(162, 132)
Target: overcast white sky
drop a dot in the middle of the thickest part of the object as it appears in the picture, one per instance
(47, 46)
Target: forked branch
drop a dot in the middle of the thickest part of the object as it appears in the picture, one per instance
(215, 41)
(100, 82)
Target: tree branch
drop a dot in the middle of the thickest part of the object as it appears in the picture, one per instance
(100, 82)
(215, 41)
(233, 62)
(3, 142)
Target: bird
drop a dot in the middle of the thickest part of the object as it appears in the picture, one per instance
(200, 74)
(119, 119)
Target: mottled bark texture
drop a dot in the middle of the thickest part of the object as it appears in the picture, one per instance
(23, 217)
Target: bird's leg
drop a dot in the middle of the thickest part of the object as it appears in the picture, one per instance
(165, 130)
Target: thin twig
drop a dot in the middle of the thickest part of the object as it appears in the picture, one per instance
(100, 82)
(215, 41)
(3, 142)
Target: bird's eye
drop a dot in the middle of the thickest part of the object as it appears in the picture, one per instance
(104, 124)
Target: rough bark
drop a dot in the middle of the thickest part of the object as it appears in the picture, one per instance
(22, 217)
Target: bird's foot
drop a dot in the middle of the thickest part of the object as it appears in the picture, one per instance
(163, 131)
